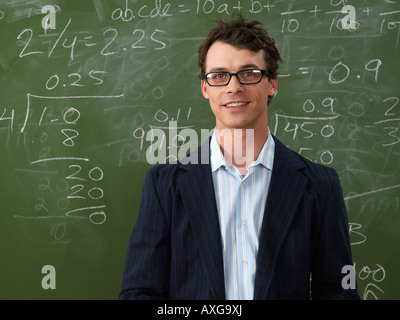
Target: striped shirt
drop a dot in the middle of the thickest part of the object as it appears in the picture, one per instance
(241, 203)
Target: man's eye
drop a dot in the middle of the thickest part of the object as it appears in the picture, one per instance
(248, 74)
(219, 76)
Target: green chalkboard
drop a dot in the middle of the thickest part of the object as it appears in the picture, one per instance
(78, 98)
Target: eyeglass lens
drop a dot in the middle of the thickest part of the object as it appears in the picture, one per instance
(244, 77)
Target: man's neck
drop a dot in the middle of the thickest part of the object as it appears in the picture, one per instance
(241, 147)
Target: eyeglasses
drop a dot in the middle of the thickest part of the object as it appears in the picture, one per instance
(248, 76)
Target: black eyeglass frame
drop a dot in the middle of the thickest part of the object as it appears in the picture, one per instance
(262, 71)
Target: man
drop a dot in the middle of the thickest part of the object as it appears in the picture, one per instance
(257, 220)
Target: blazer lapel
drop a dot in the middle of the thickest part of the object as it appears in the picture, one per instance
(285, 191)
(197, 192)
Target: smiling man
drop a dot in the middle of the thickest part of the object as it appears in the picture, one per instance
(258, 228)
(238, 100)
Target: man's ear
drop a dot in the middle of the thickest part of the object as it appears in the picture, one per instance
(273, 86)
(204, 88)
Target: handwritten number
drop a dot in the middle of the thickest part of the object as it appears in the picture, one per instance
(135, 46)
(72, 46)
(374, 69)
(75, 83)
(74, 174)
(11, 118)
(69, 142)
(97, 217)
(163, 45)
(309, 54)
(30, 34)
(92, 74)
(368, 291)
(102, 52)
(396, 101)
(393, 134)
(73, 195)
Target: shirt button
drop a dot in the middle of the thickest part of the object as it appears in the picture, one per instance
(243, 223)
(245, 261)
(243, 183)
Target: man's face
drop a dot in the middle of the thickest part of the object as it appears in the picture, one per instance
(237, 105)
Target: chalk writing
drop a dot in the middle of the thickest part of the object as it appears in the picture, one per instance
(79, 103)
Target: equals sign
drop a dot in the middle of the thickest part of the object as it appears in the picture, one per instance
(183, 8)
(304, 70)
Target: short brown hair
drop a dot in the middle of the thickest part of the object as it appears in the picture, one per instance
(240, 33)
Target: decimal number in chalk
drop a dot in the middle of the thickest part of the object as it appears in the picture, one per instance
(75, 80)
(139, 38)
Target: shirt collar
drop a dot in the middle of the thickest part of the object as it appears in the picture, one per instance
(265, 158)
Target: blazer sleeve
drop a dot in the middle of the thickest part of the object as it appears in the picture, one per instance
(332, 250)
(147, 266)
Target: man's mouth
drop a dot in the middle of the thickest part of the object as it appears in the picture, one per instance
(236, 104)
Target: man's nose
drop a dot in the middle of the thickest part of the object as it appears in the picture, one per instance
(234, 85)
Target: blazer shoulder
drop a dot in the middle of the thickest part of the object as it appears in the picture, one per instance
(163, 174)
(315, 172)
(323, 176)
(318, 170)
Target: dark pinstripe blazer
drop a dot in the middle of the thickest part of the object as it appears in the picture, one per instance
(175, 250)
